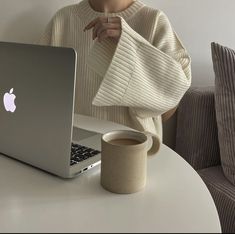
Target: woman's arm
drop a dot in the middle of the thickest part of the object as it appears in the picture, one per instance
(149, 78)
(169, 114)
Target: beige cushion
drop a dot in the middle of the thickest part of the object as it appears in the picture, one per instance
(224, 67)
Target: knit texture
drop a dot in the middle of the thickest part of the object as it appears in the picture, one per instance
(133, 82)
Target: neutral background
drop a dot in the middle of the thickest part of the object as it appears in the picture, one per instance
(197, 22)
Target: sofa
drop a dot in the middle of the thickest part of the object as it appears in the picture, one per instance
(192, 132)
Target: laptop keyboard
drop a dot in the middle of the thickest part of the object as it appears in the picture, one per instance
(80, 153)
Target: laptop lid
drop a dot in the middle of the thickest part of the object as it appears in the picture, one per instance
(37, 86)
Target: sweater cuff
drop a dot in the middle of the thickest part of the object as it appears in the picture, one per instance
(115, 64)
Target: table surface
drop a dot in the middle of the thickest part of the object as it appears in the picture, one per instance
(175, 198)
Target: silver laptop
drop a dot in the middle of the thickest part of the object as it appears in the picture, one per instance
(37, 87)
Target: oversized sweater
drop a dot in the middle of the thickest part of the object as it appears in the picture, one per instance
(133, 82)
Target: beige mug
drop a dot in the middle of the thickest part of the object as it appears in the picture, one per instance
(124, 160)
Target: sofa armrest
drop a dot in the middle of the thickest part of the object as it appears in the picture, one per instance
(197, 133)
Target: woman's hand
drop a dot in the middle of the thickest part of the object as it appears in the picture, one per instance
(169, 114)
(106, 27)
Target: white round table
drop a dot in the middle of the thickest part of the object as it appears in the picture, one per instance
(175, 198)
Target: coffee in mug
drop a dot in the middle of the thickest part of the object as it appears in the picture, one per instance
(124, 142)
(124, 160)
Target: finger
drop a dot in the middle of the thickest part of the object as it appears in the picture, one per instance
(105, 26)
(94, 22)
(112, 25)
(109, 33)
(91, 24)
(102, 19)
(102, 36)
(95, 29)
(114, 20)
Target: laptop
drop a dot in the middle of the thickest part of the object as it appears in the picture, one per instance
(37, 89)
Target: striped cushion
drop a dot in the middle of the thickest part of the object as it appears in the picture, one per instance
(197, 136)
(223, 193)
(224, 67)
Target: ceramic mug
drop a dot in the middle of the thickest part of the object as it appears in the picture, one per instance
(124, 160)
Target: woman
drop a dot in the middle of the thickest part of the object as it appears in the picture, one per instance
(132, 67)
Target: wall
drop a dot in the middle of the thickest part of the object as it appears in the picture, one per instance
(197, 22)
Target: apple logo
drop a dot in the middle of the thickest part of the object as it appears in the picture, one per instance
(9, 101)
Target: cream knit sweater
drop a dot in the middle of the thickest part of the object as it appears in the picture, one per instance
(132, 83)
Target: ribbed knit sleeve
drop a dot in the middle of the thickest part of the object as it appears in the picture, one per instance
(150, 78)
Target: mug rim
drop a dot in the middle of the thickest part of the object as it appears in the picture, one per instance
(137, 133)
